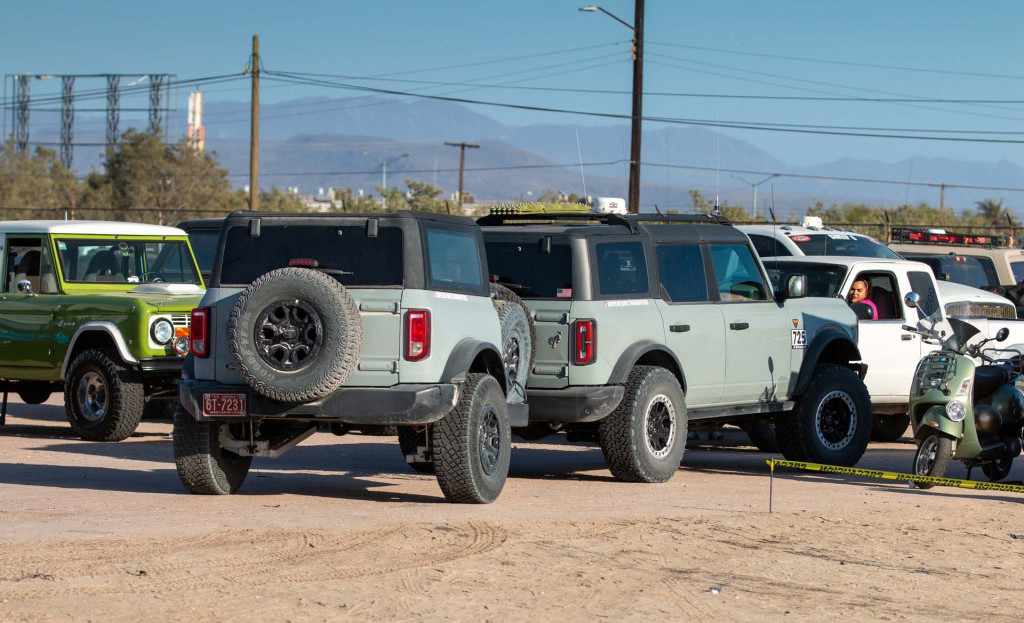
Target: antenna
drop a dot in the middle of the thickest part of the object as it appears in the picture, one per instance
(771, 210)
(658, 211)
(579, 150)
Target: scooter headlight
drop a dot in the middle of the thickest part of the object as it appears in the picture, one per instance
(956, 411)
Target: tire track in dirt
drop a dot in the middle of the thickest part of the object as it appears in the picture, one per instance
(471, 539)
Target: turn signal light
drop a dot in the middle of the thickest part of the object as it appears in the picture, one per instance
(197, 335)
(417, 334)
(584, 348)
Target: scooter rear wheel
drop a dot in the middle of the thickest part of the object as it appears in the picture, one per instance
(932, 458)
(998, 469)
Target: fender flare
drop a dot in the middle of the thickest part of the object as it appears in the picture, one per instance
(827, 335)
(101, 326)
(937, 414)
(629, 357)
(463, 356)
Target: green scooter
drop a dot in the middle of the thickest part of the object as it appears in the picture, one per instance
(960, 409)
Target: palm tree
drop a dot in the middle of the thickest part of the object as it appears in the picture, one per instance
(993, 212)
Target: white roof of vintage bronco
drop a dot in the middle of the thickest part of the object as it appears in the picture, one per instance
(847, 260)
(105, 228)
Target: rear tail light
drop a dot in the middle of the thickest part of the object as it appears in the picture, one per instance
(584, 343)
(417, 334)
(197, 336)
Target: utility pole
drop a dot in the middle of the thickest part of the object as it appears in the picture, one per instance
(254, 135)
(942, 199)
(462, 163)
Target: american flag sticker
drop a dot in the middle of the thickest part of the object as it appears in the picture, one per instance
(563, 293)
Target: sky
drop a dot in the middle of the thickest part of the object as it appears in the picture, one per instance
(742, 68)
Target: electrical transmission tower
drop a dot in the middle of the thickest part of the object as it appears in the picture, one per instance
(158, 87)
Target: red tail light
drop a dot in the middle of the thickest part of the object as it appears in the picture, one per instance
(417, 334)
(198, 342)
(584, 343)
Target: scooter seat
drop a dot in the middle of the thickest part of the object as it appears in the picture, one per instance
(987, 379)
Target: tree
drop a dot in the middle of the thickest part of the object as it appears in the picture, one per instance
(35, 185)
(992, 212)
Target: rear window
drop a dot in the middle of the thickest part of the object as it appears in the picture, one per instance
(529, 272)
(958, 269)
(1018, 271)
(838, 243)
(345, 252)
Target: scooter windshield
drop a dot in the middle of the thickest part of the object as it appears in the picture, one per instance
(962, 333)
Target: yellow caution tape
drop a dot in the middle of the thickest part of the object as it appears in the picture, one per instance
(874, 473)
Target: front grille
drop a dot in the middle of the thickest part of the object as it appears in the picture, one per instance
(180, 320)
(981, 310)
(935, 370)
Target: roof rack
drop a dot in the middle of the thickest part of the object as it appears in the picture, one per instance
(924, 236)
(629, 221)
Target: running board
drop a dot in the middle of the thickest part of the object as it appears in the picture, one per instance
(722, 413)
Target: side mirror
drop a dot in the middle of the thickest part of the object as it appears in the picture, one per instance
(25, 287)
(1002, 334)
(912, 300)
(796, 287)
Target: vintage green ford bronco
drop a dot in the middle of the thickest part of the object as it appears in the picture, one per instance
(98, 309)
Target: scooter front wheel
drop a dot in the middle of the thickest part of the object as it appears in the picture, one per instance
(932, 458)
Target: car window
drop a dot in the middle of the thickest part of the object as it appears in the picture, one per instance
(681, 270)
(823, 280)
(125, 261)
(766, 246)
(28, 259)
(1018, 271)
(958, 269)
(621, 268)
(884, 294)
(529, 271)
(840, 243)
(204, 247)
(990, 269)
(922, 283)
(736, 273)
(454, 259)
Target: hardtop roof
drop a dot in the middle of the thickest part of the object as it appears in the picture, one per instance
(93, 228)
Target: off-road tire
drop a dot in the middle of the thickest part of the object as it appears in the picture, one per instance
(204, 467)
(943, 448)
(762, 435)
(501, 293)
(517, 348)
(644, 439)
(998, 469)
(322, 330)
(832, 420)
(472, 445)
(889, 427)
(103, 398)
(408, 441)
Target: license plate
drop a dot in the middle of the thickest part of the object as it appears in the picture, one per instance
(224, 404)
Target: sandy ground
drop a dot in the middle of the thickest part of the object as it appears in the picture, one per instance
(339, 529)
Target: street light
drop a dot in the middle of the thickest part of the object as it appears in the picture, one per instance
(638, 93)
(384, 177)
(753, 186)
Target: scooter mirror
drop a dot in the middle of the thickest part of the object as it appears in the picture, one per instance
(1002, 334)
(912, 300)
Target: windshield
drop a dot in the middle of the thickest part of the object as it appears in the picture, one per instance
(823, 280)
(127, 261)
(838, 243)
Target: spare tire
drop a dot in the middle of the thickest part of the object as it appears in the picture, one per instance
(295, 334)
(501, 293)
(516, 348)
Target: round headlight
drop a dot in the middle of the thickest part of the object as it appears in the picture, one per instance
(955, 411)
(162, 331)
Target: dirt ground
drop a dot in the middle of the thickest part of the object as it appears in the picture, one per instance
(340, 529)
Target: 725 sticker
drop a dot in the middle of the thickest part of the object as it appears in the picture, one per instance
(799, 338)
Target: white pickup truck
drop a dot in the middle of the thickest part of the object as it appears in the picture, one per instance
(891, 352)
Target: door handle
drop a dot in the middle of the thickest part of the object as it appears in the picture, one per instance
(906, 337)
(738, 326)
(679, 328)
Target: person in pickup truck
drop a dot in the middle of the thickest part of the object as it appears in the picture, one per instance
(860, 292)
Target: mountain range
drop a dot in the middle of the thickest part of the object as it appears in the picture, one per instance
(316, 143)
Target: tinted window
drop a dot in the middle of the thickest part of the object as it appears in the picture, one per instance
(766, 246)
(529, 273)
(1018, 271)
(736, 273)
(958, 269)
(454, 259)
(923, 285)
(838, 243)
(353, 258)
(681, 269)
(204, 247)
(822, 279)
(621, 268)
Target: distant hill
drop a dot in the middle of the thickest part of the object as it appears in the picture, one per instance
(314, 143)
